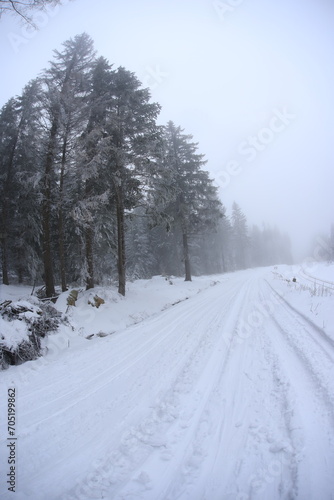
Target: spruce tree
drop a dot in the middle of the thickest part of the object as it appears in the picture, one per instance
(21, 136)
(185, 196)
(66, 85)
(125, 142)
(10, 123)
(240, 237)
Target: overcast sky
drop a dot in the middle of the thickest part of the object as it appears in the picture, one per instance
(251, 80)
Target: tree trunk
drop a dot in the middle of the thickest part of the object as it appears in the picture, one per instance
(62, 260)
(4, 241)
(120, 241)
(47, 252)
(46, 212)
(5, 279)
(89, 242)
(20, 275)
(62, 251)
(186, 257)
(5, 208)
(223, 262)
(89, 236)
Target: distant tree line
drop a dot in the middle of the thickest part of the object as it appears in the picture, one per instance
(93, 189)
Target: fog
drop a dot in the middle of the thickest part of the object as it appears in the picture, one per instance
(251, 80)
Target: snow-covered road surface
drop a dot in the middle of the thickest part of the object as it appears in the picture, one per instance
(226, 396)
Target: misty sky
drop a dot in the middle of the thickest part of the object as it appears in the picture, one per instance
(251, 80)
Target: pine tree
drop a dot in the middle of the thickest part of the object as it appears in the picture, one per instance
(214, 250)
(26, 249)
(9, 134)
(96, 185)
(21, 135)
(124, 149)
(269, 246)
(66, 83)
(256, 247)
(185, 196)
(141, 261)
(240, 237)
(226, 245)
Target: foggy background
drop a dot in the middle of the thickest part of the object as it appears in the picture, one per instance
(251, 80)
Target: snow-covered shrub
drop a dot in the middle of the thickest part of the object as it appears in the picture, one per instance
(22, 325)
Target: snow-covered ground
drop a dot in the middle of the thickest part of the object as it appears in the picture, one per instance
(228, 395)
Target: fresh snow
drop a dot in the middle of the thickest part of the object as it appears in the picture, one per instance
(218, 389)
(13, 332)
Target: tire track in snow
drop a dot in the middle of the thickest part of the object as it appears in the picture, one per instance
(277, 431)
(215, 436)
(180, 440)
(167, 416)
(286, 467)
(173, 336)
(312, 346)
(124, 345)
(124, 342)
(239, 438)
(183, 425)
(303, 357)
(69, 398)
(326, 340)
(205, 373)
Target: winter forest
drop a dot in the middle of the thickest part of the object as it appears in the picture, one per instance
(95, 191)
(167, 250)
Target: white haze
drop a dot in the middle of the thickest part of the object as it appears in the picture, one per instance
(226, 71)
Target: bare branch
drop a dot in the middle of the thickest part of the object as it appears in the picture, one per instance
(20, 8)
(15, 9)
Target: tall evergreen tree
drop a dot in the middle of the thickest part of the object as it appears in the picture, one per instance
(240, 237)
(256, 247)
(20, 137)
(92, 172)
(188, 198)
(124, 150)
(140, 258)
(9, 135)
(27, 223)
(66, 85)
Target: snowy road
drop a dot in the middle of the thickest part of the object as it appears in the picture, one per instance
(226, 396)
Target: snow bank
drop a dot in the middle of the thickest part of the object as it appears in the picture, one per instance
(143, 299)
(311, 297)
(23, 325)
(82, 321)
